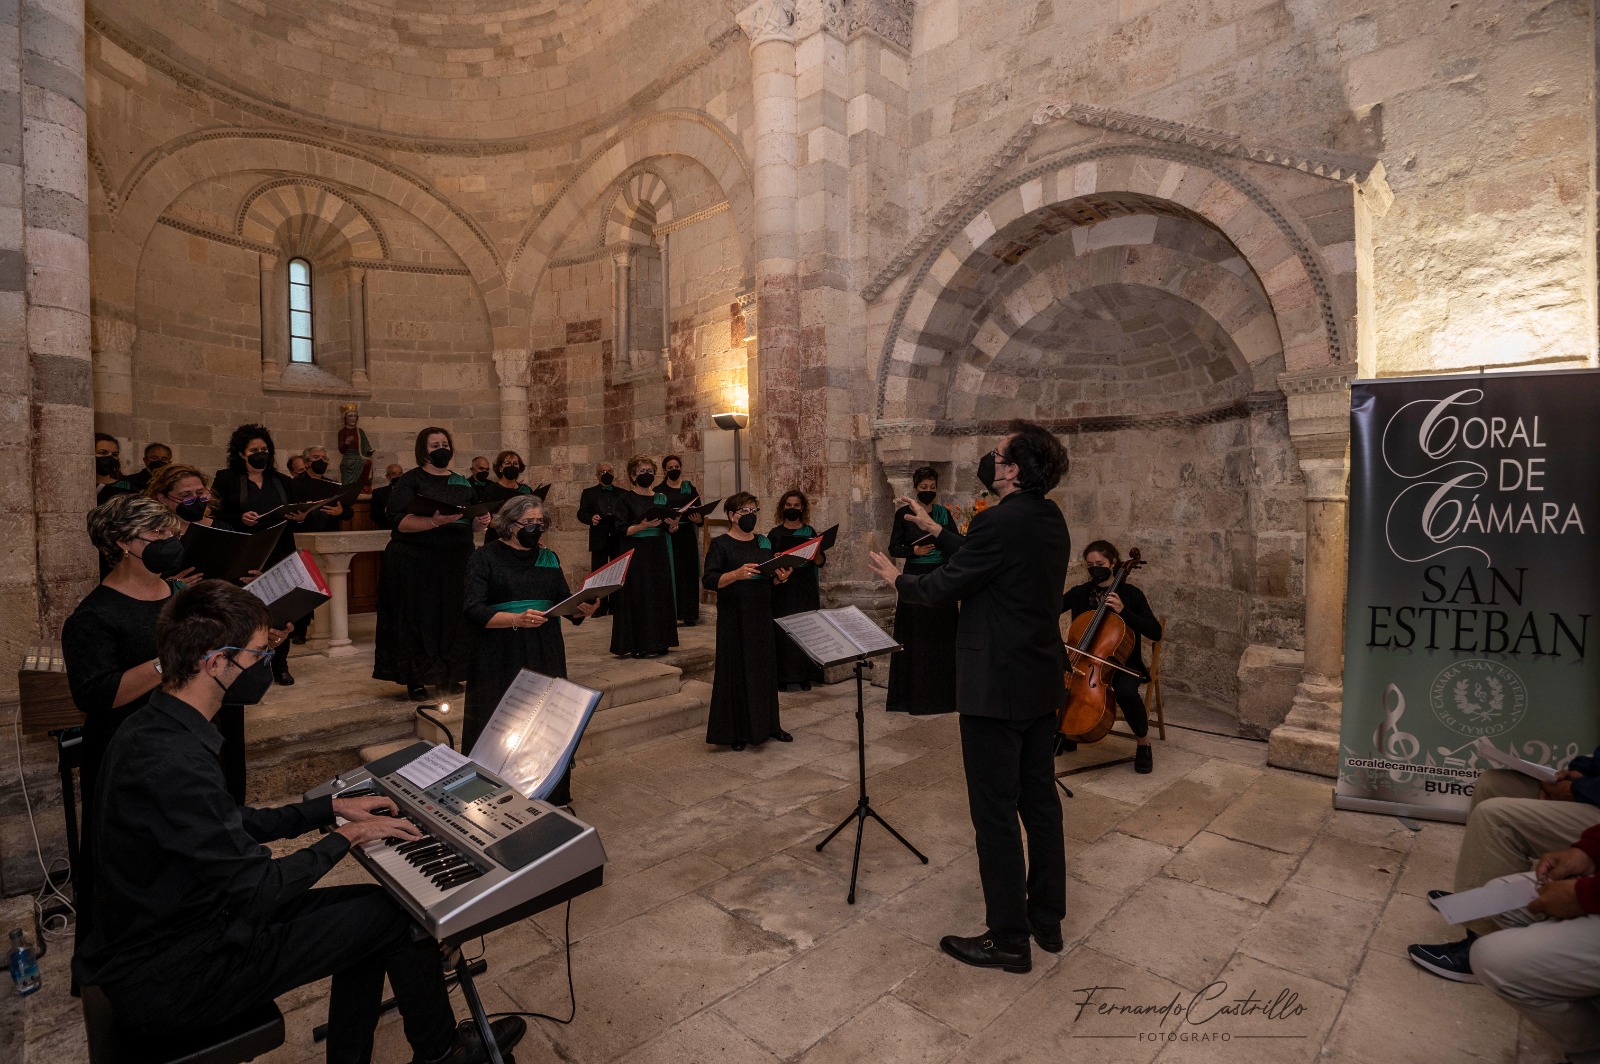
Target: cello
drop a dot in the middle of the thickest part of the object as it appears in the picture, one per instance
(1097, 644)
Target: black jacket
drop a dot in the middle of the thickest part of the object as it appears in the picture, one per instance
(1080, 599)
(1008, 576)
(602, 500)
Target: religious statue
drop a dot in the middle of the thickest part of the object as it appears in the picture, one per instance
(356, 461)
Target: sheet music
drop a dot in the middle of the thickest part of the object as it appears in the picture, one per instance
(280, 579)
(534, 731)
(807, 550)
(1489, 752)
(859, 628)
(821, 641)
(503, 734)
(432, 766)
(614, 573)
(1492, 899)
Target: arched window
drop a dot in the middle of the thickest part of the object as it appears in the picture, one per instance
(301, 348)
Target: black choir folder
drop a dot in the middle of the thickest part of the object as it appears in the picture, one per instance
(802, 555)
(601, 582)
(535, 732)
(291, 589)
(831, 637)
(221, 554)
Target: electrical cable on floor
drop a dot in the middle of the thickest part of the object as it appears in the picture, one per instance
(48, 891)
(1218, 734)
(572, 995)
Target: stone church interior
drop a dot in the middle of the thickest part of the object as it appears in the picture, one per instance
(465, 280)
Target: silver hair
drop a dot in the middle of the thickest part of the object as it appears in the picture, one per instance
(512, 512)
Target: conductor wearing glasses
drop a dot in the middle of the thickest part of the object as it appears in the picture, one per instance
(1008, 578)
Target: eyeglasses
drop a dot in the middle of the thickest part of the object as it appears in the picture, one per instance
(204, 496)
(261, 655)
(165, 533)
(1001, 459)
(747, 510)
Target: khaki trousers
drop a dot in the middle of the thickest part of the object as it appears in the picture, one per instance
(1546, 970)
(1509, 828)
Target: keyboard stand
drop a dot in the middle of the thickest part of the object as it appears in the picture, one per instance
(319, 1033)
(469, 990)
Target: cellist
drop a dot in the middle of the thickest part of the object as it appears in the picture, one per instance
(1102, 558)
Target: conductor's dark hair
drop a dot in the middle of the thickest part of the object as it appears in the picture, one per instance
(197, 620)
(241, 439)
(922, 473)
(1106, 549)
(1040, 458)
(737, 501)
(422, 442)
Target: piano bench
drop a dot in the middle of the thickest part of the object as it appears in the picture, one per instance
(241, 1039)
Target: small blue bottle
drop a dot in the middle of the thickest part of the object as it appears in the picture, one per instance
(24, 965)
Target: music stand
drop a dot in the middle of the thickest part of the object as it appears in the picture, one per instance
(834, 637)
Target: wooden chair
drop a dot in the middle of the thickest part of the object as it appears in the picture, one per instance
(244, 1038)
(1154, 706)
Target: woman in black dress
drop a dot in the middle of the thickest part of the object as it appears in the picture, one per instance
(801, 593)
(422, 636)
(643, 620)
(250, 487)
(922, 677)
(744, 691)
(1102, 558)
(509, 585)
(679, 492)
(506, 483)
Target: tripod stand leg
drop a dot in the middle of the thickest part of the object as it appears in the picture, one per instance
(855, 862)
(901, 839)
(835, 831)
(469, 990)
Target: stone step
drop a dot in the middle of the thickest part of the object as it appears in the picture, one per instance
(624, 681)
(291, 753)
(629, 725)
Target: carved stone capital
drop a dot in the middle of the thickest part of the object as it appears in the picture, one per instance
(889, 20)
(1319, 412)
(811, 16)
(511, 367)
(747, 307)
(768, 20)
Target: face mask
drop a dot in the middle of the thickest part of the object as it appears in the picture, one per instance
(155, 464)
(481, 476)
(606, 478)
(793, 513)
(747, 522)
(163, 556)
(529, 535)
(107, 465)
(250, 686)
(1099, 573)
(926, 497)
(644, 480)
(511, 472)
(320, 466)
(440, 457)
(192, 509)
(674, 474)
(258, 460)
(986, 471)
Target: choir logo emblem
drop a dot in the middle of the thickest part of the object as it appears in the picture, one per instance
(1478, 698)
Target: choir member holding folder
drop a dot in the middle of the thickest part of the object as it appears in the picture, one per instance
(744, 691)
(510, 585)
(801, 593)
(506, 484)
(422, 636)
(183, 490)
(644, 625)
(922, 677)
(252, 495)
(679, 492)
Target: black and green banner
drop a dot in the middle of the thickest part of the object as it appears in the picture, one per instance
(1474, 592)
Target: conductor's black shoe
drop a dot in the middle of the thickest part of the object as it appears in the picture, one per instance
(469, 1048)
(417, 693)
(1435, 895)
(1048, 936)
(981, 951)
(284, 679)
(1143, 759)
(1065, 745)
(782, 736)
(1448, 960)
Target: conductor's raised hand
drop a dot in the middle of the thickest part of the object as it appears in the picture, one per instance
(918, 515)
(883, 566)
(364, 807)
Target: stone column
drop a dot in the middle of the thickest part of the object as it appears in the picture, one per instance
(111, 340)
(274, 319)
(775, 391)
(1319, 429)
(358, 329)
(511, 368)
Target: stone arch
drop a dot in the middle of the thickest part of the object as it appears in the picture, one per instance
(1093, 186)
(270, 206)
(643, 201)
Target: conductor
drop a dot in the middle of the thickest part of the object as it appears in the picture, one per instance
(1009, 662)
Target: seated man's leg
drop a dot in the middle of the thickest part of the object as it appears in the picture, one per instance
(1506, 835)
(1503, 783)
(1546, 971)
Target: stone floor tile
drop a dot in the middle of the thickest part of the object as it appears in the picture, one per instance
(1179, 813)
(940, 809)
(790, 899)
(1431, 864)
(1534, 1046)
(643, 977)
(1354, 869)
(1409, 919)
(1124, 784)
(1119, 862)
(774, 759)
(745, 848)
(695, 782)
(665, 837)
(883, 787)
(1314, 932)
(704, 1038)
(1396, 1013)
(1280, 811)
(949, 902)
(1177, 930)
(887, 867)
(1238, 868)
(789, 790)
(887, 1030)
(1087, 815)
(793, 1006)
(1087, 906)
(883, 754)
(619, 900)
(1269, 1016)
(1375, 829)
(967, 998)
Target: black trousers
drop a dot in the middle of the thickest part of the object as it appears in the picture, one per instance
(357, 934)
(1131, 703)
(1010, 767)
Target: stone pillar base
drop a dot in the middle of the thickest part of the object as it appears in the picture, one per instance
(1308, 738)
(1269, 679)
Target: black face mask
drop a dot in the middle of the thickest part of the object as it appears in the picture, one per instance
(481, 476)
(926, 497)
(986, 471)
(250, 686)
(107, 465)
(320, 466)
(193, 509)
(529, 535)
(747, 522)
(606, 479)
(163, 556)
(793, 513)
(155, 464)
(1099, 573)
(258, 460)
(440, 457)
(644, 480)
(511, 472)
(674, 474)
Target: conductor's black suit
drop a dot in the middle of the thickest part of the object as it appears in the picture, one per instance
(1008, 577)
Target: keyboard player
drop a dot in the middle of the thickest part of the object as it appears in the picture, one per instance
(195, 921)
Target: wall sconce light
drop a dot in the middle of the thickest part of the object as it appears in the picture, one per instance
(733, 422)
